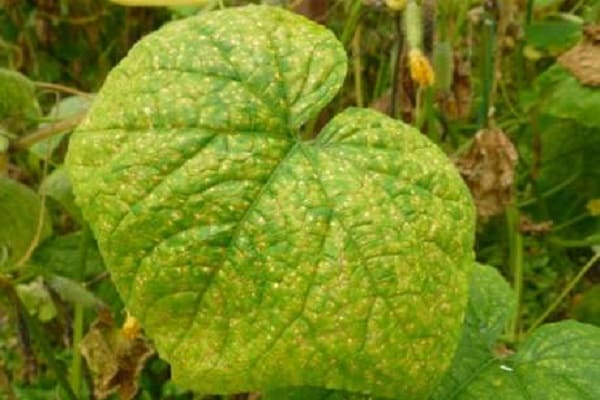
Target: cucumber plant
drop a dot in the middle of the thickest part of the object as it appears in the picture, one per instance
(256, 259)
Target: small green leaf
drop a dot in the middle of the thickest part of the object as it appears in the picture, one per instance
(563, 96)
(73, 292)
(252, 258)
(19, 108)
(66, 108)
(58, 186)
(19, 221)
(587, 308)
(553, 35)
(61, 255)
(36, 299)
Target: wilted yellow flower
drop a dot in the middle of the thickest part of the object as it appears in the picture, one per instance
(396, 5)
(420, 68)
(131, 327)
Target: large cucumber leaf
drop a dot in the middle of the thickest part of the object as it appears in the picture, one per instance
(255, 259)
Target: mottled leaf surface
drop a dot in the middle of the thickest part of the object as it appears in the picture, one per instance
(254, 259)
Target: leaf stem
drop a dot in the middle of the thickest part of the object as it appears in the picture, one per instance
(565, 292)
(515, 251)
(75, 375)
(62, 88)
(351, 22)
(487, 68)
(395, 66)
(48, 131)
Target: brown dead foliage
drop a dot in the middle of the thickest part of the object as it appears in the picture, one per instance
(583, 60)
(456, 104)
(115, 358)
(529, 227)
(488, 168)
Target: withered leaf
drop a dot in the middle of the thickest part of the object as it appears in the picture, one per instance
(115, 357)
(488, 168)
(528, 226)
(583, 60)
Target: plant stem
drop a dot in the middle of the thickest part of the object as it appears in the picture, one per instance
(47, 132)
(75, 375)
(351, 22)
(565, 292)
(357, 67)
(515, 251)
(487, 68)
(61, 88)
(395, 66)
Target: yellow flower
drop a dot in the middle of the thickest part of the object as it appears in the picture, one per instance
(420, 68)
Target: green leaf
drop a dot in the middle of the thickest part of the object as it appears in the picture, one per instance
(256, 260)
(587, 308)
(66, 108)
(558, 361)
(73, 292)
(19, 221)
(58, 186)
(61, 255)
(19, 108)
(491, 303)
(565, 97)
(36, 299)
(553, 35)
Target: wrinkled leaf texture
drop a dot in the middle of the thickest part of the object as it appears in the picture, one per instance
(255, 259)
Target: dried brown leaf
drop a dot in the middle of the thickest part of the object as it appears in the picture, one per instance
(528, 226)
(114, 357)
(456, 104)
(488, 168)
(583, 60)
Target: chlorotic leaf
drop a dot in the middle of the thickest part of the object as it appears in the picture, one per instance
(558, 361)
(19, 221)
(252, 258)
